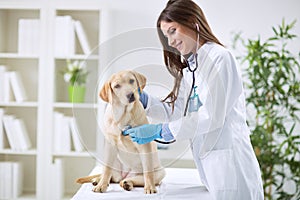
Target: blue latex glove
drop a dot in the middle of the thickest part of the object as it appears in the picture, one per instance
(145, 133)
(143, 98)
(148, 132)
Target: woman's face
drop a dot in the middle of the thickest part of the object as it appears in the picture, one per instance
(179, 37)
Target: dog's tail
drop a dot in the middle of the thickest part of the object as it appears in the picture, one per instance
(94, 179)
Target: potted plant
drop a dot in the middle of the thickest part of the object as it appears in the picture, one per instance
(75, 75)
(273, 96)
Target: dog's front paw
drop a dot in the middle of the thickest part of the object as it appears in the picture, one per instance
(150, 190)
(100, 187)
(95, 181)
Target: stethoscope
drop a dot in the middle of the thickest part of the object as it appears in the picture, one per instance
(193, 82)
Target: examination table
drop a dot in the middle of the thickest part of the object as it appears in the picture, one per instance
(178, 184)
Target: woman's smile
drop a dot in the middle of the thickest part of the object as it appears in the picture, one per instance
(179, 46)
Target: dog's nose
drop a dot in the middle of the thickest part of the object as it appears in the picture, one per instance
(130, 97)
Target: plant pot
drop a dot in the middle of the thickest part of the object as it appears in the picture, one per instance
(76, 94)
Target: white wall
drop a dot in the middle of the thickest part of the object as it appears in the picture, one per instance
(252, 17)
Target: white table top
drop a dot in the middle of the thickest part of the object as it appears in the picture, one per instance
(179, 183)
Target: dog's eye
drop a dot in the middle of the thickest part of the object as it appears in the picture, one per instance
(131, 81)
(117, 86)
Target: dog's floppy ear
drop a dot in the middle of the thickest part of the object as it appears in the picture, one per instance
(141, 79)
(105, 92)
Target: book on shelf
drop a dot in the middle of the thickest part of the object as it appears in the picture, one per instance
(66, 133)
(64, 36)
(10, 133)
(2, 138)
(16, 133)
(11, 180)
(2, 82)
(11, 84)
(66, 30)
(17, 86)
(62, 139)
(82, 37)
(22, 134)
(5, 88)
(29, 36)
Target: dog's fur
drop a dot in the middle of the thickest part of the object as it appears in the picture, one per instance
(126, 162)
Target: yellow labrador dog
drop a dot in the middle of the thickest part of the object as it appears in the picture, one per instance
(126, 162)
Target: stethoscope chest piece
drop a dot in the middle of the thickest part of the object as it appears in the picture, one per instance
(194, 101)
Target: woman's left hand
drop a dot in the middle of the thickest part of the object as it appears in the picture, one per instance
(145, 133)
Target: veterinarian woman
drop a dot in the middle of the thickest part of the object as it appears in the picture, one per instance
(206, 106)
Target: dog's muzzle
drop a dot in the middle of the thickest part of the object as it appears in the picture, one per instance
(130, 97)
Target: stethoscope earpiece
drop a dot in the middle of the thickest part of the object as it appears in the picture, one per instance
(197, 27)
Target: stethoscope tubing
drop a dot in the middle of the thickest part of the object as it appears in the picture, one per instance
(164, 142)
(193, 83)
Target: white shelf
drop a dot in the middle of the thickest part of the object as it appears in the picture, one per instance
(19, 104)
(74, 105)
(16, 55)
(30, 152)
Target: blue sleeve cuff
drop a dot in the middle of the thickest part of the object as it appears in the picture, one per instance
(166, 133)
(144, 99)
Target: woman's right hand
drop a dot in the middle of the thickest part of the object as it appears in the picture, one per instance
(144, 99)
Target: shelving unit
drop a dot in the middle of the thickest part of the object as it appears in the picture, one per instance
(47, 92)
(84, 113)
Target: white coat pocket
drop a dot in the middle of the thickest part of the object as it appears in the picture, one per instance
(220, 170)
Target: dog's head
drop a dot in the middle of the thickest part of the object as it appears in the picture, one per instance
(123, 87)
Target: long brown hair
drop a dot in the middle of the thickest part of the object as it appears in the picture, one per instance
(188, 14)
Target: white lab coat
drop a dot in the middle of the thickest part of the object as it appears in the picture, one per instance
(218, 132)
